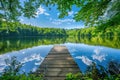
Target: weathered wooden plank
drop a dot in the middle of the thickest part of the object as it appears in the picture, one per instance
(58, 58)
(57, 64)
(60, 69)
(60, 65)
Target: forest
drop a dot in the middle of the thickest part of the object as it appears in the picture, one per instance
(101, 17)
(101, 20)
(16, 29)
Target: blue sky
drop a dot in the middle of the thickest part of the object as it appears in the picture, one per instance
(49, 18)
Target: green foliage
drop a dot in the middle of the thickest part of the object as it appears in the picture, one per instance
(95, 72)
(105, 30)
(13, 67)
(10, 10)
(104, 35)
(90, 11)
(21, 77)
(12, 72)
(78, 76)
(70, 76)
(16, 29)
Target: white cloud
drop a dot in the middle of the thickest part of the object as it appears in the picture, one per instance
(36, 57)
(23, 52)
(97, 51)
(73, 50)
(56, 22)
(21, 20)
(46, 14)
(98, 56)
(38, 63)
(34, 69)
(60, 21)
(70, 13)
(40, 11)
(85, 60)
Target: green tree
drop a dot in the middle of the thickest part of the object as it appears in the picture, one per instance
(90, 11)
(10, 10)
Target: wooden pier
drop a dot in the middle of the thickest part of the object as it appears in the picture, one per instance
(57, 64)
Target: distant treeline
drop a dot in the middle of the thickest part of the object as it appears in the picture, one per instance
(108, 28)
(96, 31)
(16, 29)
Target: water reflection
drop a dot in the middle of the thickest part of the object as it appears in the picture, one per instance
(85, 55)
(14, 44)
(98, 55)
(31, 51)
(85, 60)
(31, 58)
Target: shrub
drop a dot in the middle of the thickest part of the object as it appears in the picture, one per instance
(11, 72)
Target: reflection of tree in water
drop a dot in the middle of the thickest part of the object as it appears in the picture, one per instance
(93, 72)
(113, 42)
(12, 44)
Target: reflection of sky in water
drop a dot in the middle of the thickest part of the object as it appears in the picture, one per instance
(84, 55)
(30, 57)
(85, 60)
(98, 55)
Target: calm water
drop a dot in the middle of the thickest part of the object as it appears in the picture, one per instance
(32, 51)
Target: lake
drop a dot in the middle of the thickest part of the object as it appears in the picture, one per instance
(31, 51)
